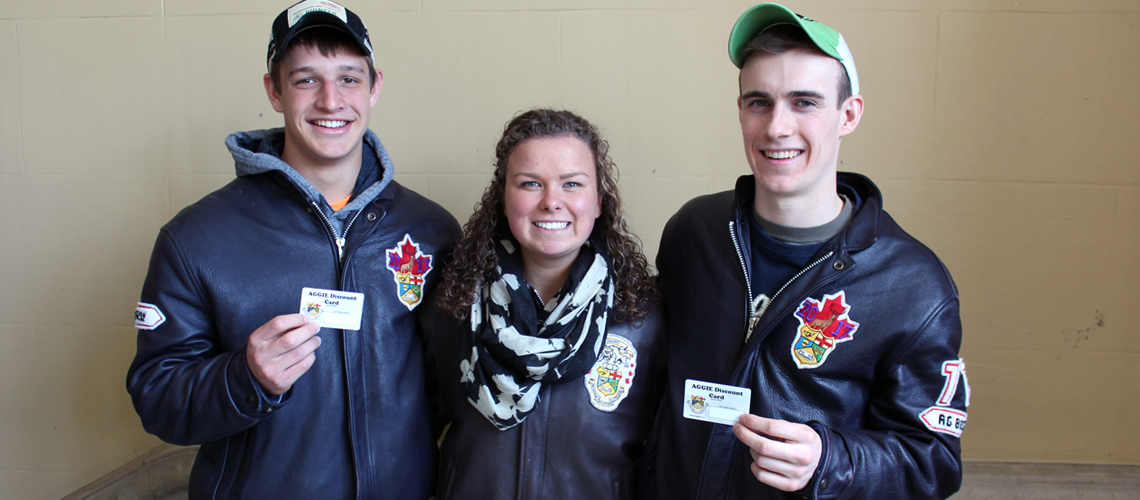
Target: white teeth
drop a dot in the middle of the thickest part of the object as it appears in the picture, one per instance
(552, 225)
(331, 123)
(781, 155)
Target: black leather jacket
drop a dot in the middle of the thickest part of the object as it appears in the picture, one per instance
(868, 399)
(356, 425)
(567, 449)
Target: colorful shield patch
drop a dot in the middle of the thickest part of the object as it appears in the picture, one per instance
(409, 268)
(313, 310)
(823, 324)
(609, 381)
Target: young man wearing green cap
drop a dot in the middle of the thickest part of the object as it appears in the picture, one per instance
(275, 326)
(813, 344)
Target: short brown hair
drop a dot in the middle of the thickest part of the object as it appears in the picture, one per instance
(329, 42)
(782, 38)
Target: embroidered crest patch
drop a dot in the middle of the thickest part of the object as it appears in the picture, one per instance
(148, 317)
(609, 381)
(823, 324)
(409, 268)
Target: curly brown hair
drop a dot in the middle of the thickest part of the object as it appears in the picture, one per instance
(474, 259)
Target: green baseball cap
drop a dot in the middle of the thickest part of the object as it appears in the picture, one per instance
(766, 15)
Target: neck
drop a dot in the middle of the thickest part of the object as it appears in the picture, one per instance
(335, 180)
(547, 278)
(799, 211)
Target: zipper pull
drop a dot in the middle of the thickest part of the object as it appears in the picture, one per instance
(340, 248)
(758, 307)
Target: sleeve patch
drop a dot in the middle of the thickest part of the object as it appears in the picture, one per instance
(944, 420)
(148, 317)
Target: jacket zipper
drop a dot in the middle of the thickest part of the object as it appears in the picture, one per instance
(758, 313)
(340, 240)
(756, 307)
(340, 244)
(744, 269)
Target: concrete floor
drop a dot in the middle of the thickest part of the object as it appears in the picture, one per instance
(162, 473)
(983, 481)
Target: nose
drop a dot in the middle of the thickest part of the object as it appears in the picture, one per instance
(779, 123)
(329, 98)
(551, 200)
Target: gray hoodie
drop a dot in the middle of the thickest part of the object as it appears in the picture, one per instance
(259, 151)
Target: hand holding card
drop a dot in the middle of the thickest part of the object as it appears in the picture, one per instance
(281, 350)
(784, 454)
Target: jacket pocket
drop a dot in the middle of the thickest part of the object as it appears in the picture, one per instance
(243, 461)
(446, 480)
(623, 484)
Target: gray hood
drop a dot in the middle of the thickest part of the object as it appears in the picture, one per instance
(256, 152)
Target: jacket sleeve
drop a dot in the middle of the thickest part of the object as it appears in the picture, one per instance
(187, 387)
(909, 445)
(429, 324)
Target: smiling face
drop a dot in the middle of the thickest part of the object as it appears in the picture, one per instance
(792, 123)
(327, 102)
(551, 199)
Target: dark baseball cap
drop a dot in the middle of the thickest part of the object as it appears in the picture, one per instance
(311, 14)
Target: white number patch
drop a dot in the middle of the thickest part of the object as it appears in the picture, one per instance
(940, 418)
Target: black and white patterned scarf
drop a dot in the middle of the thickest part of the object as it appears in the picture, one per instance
(513, 352)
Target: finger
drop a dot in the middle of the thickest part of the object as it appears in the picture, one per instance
(291, 374)
(758, 444)
(295, 355)
(782, 483)
(780, 467)
(294, 338)
(751, 439)
(780, 430)
(279, 325)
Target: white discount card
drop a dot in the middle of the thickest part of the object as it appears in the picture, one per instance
(333, 308)
(716, 403)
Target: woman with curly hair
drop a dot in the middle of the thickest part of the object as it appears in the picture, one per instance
(542, 341)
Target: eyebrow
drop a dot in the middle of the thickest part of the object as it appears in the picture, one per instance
(344, 68)
(561, 177)
(794, 93)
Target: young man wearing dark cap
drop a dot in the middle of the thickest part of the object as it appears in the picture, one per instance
(813, 344)
(275, 324)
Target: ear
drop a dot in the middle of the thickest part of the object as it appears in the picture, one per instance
(852, 113)
(274, 96)
(376, 88)
(740, 107)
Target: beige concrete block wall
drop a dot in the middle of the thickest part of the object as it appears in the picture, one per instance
(1002, 133)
